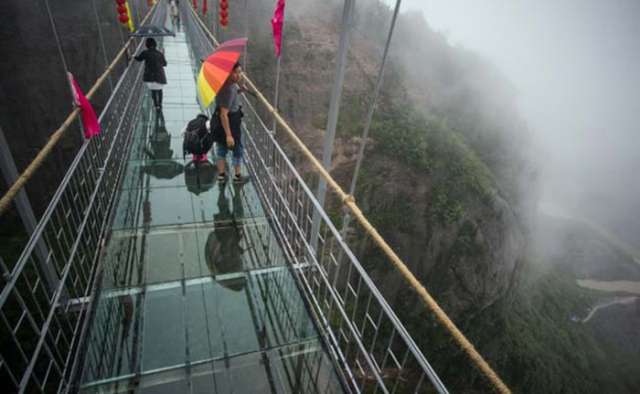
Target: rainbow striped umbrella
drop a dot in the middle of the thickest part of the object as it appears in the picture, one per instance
(216, 69)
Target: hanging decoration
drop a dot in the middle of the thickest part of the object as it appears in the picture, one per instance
(224, 13)
(132, 28)
(276, 24)
(195, 5)
(124, 14)
(204, 7)
(90, 123)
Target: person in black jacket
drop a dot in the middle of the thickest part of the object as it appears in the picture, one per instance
(154, 63)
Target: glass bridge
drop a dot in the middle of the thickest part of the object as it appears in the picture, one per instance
(196, 295)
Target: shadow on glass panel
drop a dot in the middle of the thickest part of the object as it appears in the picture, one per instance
(113, 349)
(223, 249)
(159, 151)
(199, 176)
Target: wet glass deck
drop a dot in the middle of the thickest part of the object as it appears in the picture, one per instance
(195, 292)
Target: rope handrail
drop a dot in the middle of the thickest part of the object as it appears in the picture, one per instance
(348, 201)
(35, 164)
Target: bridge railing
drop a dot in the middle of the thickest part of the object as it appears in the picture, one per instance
(369, 344)
(366, 338)
(44, 296)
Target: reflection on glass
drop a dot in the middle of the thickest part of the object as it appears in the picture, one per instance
(159, 150)
(223, 249)
(199, 176)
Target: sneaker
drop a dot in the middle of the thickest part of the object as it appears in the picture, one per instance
(239, 179)
(222, 177)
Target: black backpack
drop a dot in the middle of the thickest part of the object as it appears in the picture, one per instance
(197, 139)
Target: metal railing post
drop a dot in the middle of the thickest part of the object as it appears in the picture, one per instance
(334, 109)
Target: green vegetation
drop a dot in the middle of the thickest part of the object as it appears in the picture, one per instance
(465, 244)
(427, 147)
(536, 344)
(444, 208)
(533, 339)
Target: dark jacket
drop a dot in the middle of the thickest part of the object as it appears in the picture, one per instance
(154, 63)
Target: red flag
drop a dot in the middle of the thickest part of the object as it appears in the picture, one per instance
(89, 118)
(276, 24)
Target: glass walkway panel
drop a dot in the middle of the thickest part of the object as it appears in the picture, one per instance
(195, 293)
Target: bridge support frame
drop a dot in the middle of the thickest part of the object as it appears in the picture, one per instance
(25, 211)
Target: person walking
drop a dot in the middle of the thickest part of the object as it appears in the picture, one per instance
(175, 15)
(154, 76)
(229, 110)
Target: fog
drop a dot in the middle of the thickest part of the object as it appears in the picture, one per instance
(575, 65)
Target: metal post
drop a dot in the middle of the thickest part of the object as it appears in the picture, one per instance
(215, 21)
(10, 174)
(275, 98)
(277, 88)
(73, 105)
(334, 109)
(135, 15)
(246, 33)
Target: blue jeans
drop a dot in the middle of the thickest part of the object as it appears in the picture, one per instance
(238, 151)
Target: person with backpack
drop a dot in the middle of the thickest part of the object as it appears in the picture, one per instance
(154, 76)
(228, 133)
(198, 138)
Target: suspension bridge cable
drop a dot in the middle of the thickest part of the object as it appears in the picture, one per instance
(372, 108)
(56, 36)
(349, 202)
(101, 36)
(28, 172)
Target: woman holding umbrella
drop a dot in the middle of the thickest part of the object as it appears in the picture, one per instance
(154, 63)
(218, 81)
(229, 110)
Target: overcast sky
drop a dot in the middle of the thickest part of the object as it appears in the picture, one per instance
(576, 66)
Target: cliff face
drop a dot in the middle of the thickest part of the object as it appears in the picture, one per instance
(434, 186)
(467, 251)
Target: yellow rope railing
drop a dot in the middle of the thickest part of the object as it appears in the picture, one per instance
(5, 201)
(349, 202)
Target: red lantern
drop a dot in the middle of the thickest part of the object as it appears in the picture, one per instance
(123, 12)
(224, 13)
